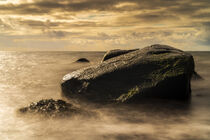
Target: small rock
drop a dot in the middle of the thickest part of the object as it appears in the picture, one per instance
(50, 107)
(83, 60)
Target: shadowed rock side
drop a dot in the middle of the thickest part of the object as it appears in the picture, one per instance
(114, 53)
(52, 108)
(84, 60)
(157, 71)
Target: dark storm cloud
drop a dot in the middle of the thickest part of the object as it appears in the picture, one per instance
(54, 24)
(46, 6)
(153, 17)
(151, 10)
(22, 9)
(187, 8)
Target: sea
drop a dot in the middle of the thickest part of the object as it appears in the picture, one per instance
(27, 77)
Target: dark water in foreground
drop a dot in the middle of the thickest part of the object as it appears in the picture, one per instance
(31, 76)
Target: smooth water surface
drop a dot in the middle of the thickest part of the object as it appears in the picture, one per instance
(31, 76)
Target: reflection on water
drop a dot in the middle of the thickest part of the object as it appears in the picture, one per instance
(27, 77)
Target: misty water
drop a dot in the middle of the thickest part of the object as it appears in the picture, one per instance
(26, 77)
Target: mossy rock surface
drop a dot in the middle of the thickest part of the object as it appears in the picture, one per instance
(114, 53)
(157, 71)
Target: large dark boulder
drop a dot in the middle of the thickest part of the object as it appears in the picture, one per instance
(157, 71)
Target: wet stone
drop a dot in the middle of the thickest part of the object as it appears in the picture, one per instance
(51, 108)
(83, 60)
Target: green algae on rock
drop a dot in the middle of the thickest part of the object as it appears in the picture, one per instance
(157, 71)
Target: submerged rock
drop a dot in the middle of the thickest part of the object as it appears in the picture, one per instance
(114, 53)
(83, 60)
(196, 76)
(52, 108)
(157, 71)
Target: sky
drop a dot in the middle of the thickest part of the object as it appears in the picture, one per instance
(100, 25)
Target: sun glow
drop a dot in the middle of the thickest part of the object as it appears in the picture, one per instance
(14, 1)
(124, 4)
(9, 1)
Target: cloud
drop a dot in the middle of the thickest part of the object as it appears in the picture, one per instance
(108, 22)
(61, 34)
(4, 26)
(38, 24)
(204, 36)
(156, 17)
(48, 6)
